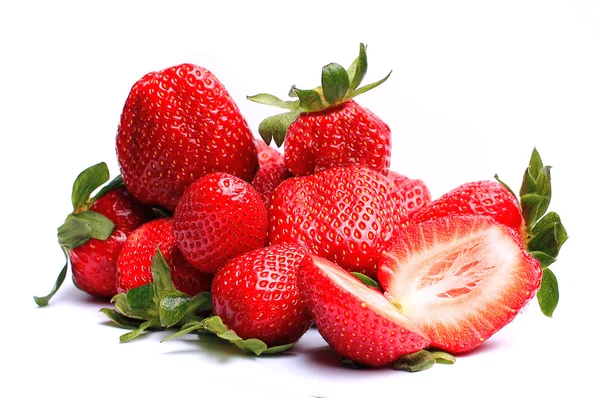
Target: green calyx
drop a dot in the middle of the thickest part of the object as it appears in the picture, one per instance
(83, 224)
(160, 306)
(338, 85)
(543, 233)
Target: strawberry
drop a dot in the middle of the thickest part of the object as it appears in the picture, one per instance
(255, 294)
(219, 217)
(93, 234)
(345, 214)
(325, 127)
(414, 192)
(135, 260)
(459, 278)
(177, 125)
(358, 322)
(268, 178)
(541, 232)
(267, 154)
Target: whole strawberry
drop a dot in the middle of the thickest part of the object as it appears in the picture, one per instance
(93, 234)
(267, 155)
(219, 217)
(135, 260)
(177, 125)
(256, 295)
(268, 178)
(414, 192)
(344, 214)
(325, 127)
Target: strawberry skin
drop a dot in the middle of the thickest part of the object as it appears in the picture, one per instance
(94, 263)
(358, 322)
(414, 192)
(345, 214)
(219, 217)
(177, 125)
(256, 295)
(267, 155)
(459, 278)
(340, 136)
(134, 265)
(268, 178)
(489, 198)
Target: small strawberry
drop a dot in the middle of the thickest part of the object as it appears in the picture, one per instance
(414, 192)
(459, 278)
(255, 294)
(268, 178)
(325, 127)
(177, 125)
(93, 234)
(219, 217)
(358, 322)
(542, 232)
(267, 154)
(345, 214)
(135, 260)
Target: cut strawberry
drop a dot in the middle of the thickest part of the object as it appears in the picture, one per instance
(357, 321)
(459, 278)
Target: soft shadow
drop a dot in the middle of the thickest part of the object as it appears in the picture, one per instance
(490, 345)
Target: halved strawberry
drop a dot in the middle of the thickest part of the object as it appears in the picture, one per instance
(357, 321)
(459, 278)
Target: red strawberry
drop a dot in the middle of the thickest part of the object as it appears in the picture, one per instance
(325, 127)
(489, 198)
(414, 192)
(357, 321)
(267, 155)
(93, 234)
(255, 294)
(268, 178)
(177, 125)
(219, 217)
(345, 214)
(135, 260)
(459, 278)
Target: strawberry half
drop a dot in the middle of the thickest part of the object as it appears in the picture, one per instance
(358, 322)
(325, 127)
(459, 278)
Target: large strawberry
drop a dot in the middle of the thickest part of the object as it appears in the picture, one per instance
(135, 260)
(541, 232)
(93, 234)
(219, 217)
(325, 127)
(358, 322)
(177, 125)
(459, 278)
(345, 214)
(256, 295)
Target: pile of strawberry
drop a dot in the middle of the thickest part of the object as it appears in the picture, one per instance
(210, 230)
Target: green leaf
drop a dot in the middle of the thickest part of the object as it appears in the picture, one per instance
(358, 69)
(278, 349)
(416, 362)
(121, 320)
(141, 297)
(87, 182)
(132, 335)
(533, 206)
(117, 182)
(504, 185)
(101, 227)
(366, 280)
(173, 308)
(310, 100)
(268, 99)
(368, 87)
(548, 295)
(544, 259)
(161, 276)
(199, 303)
(533, 170)
(275, 127)
(536, 190)
(335, 83)
(443, 357)
(44, 300)
(74, 232)
(548, 235)
(186, 329)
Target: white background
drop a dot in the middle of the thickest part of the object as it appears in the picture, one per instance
(475, 86)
